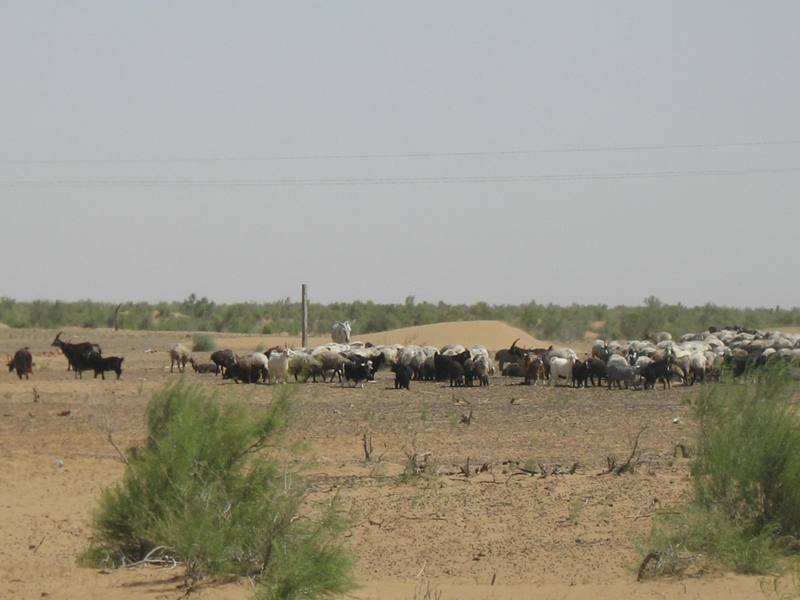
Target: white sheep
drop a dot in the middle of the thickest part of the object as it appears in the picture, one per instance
(278, 366)
(180, 355)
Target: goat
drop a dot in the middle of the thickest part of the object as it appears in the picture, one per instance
(243, 371)
(561, 368)
(455, 371)
(22, 363)
(102, 364)
(223, 359)
(358, 371)
(79, 356)
(533, 369)
(597, 368)
(659, 370)
(402, 376)
(179, 355)
(580, 374)
(442, 363)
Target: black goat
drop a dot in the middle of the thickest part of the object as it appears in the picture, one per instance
(224, 359)
(359, 372)
(110, 363)
(442, 363)
(80, 357)
(659, 370)
(402, 376)
(22, 363)
(243, 372)
(580, 374)
(455, 371)
(597, 368)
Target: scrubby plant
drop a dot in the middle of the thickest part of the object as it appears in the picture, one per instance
(745, 510)
(202, 489)
(202, 342)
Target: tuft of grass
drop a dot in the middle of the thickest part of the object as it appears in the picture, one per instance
(202, 488)
(203, 343)
(746, 475)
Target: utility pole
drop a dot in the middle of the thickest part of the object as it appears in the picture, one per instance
(304, 294)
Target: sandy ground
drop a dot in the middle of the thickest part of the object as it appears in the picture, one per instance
(499, 534)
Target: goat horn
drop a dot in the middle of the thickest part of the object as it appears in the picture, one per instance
(514, 344)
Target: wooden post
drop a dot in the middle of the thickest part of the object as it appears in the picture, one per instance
(116, 317)
(305, 315)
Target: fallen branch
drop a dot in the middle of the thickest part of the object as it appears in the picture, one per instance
(651, 556)
(627, 466)
(149, 560)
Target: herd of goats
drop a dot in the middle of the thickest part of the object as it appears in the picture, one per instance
(630, 364)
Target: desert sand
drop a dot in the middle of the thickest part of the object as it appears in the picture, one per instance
(500, 533)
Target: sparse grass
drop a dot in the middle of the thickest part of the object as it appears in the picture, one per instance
(202, 489)
(745, 513)
(203, 343)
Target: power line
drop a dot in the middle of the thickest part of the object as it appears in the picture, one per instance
(403, 155)
(391, 181)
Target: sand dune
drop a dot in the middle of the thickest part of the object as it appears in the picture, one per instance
(491, 334)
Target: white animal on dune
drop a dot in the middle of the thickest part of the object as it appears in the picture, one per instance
(340, 332)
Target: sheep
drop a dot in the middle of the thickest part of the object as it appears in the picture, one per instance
(180, 355)
(278, 366)
(329, 362)
(340, 332)
(413, 357)
(22, 363)
(697, 367)
(622, 373)
(204, 367)
(561, 368)
(600, 350)
(481, 366)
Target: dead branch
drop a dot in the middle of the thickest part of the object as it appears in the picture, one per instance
(367, 447)
(465, 469)
(684, 451)
(467, 419)
(628, 465)
(105, 427)
(651, 556)
(149, 560)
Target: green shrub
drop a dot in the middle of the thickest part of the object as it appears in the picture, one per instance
(746, 476)
(204, 343)
(198, 488)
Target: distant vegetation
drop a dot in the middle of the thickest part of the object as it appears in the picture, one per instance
(546, 321)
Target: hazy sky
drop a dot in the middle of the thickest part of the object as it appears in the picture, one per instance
(458, 151)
